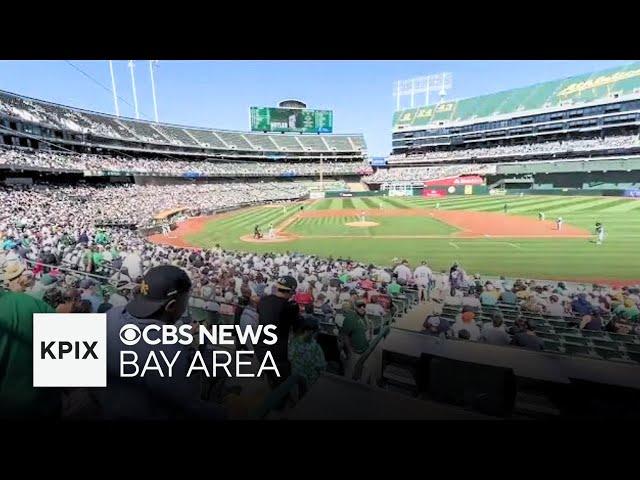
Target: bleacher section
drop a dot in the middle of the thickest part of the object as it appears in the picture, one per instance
(561, 334)
(287, 143)
(313, 143)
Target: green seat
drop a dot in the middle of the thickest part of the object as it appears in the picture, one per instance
(566, 331)
(632, 347)
(575, 340)
(551, 346)
(609, 354)
(577, 349)
(593, 333)
(605, 343)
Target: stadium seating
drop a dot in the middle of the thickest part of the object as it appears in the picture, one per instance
(580, 89)
(99, 125)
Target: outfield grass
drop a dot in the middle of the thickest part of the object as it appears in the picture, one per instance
(564, 258)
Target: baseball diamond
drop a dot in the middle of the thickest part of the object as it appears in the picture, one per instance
(472, 230)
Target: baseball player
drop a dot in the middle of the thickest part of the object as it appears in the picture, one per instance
(271, 231)
(540, 216)
(506, 208)
(559, 223)
(362, 216)
(600, 233)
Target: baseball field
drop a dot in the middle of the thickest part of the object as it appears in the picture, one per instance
(474, 231)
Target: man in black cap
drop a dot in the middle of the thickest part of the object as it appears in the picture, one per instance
(280, 310)
(162, 299)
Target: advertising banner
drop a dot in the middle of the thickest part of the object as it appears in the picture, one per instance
(433, 193)
(464, 180)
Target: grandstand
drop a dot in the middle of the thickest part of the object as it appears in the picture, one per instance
(34, 123)
(595, 115)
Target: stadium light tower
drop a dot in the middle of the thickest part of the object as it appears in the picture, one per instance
(113, 88)
(439, 82)
(133, 87)
(152, 64)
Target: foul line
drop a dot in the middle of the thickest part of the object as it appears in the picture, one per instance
(454, 245)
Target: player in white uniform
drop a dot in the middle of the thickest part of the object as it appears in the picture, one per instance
(559, 223)
(362, 216)
(600, 233)
(272, 232)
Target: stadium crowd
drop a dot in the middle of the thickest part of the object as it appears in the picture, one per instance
(554, 147)
(420, 174)
(22, 158)
(55, 257)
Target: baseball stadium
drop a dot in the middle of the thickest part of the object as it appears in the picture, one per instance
(494, 248)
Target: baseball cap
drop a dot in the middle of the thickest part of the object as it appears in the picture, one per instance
(159, 286)
(287, 283)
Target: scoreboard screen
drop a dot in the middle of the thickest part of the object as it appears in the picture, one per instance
(269, 119)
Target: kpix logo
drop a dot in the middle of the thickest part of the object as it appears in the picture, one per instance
(69, 350)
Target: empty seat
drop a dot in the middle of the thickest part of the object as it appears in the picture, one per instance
(593, 333)
(632, 347)
(564, 330)
(609, 354)
(543, 329)
(575, 340)
(551, 346)
(634, 356)
(576, 349)
(604, 343)
(622, 337)
(549, 336)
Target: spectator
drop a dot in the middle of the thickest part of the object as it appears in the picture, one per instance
(163, 299)
(306, 356)
(374, 308)
(354, 336)
(527, 338)
(279, 309)
(467, 322)
(18, 398)
(488, 296)
(403, 273)
(581, 306)
(591, 322)
(435, 325)
(494, 333)
(464, 335)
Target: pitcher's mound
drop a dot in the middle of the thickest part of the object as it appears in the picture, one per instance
(362, 224)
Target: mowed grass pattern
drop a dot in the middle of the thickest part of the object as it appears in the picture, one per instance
(571, 259)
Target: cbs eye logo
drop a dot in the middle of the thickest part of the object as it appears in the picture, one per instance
(130, 334)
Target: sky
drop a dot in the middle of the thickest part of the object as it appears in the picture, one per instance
(218, 94)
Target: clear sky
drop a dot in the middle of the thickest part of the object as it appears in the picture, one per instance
(219, 93)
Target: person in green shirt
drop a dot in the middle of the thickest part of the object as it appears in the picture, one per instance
(18, 397)
(344, 278)
(394, 288)
(101, 238)
(97, 258)
(628, 310)
(354, 335)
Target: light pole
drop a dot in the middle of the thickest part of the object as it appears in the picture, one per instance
(133, 87)
(113, 88)
(153, 63)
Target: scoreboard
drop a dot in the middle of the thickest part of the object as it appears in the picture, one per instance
(270, 119)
